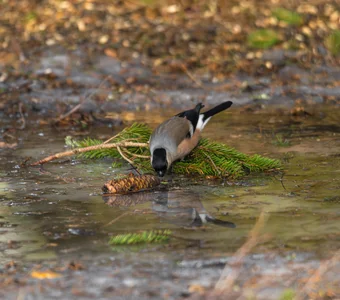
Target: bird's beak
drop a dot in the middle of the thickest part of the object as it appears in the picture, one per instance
(160, 173)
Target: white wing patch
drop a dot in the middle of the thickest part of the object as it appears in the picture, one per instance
(201, 124)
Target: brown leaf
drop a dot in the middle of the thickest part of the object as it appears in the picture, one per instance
(45, 275)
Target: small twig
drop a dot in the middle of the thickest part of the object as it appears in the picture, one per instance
(135, 169)
(87, 149)
(123, 156)
(281, 180)
(22, 117)
(224, 285)
(18, 49)
(70, 112)
(111, 138)
(117, 218)
(212, 162)
(125, 140)
(186, 71)
(135, 154)
(75, 108)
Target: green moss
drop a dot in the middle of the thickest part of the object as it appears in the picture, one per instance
(288, 294)
(332, 42)
(287, 16)
(263, 38)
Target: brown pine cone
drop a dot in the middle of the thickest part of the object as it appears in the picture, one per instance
(130, 184)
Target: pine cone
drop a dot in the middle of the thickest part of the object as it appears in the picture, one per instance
(130, 184)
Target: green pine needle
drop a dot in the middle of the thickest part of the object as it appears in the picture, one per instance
(153, 236)
(209, 158)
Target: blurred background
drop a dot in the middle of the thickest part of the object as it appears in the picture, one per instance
(211, 40)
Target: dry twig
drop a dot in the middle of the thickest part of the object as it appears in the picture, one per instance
(117, 218)
(192, 77)
(22, 117)
(135, 154)
(76, 107)
(87, 149)
(224, 285)
(123, 156)
(213, 164)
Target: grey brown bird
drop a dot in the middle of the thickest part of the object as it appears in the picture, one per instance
(177, 137)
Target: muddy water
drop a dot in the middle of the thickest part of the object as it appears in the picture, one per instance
(58, 213)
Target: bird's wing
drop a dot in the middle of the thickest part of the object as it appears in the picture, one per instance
(170, 133)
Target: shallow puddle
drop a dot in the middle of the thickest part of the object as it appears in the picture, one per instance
(58, 211)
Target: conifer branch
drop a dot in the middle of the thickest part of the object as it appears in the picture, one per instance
(209, 158)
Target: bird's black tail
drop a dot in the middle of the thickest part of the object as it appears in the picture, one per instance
(192, 115)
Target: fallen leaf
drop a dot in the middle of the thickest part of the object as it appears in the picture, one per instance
(45, 275)
(6, 145)
(196, 288)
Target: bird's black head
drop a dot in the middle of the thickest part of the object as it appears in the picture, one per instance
(159, 162)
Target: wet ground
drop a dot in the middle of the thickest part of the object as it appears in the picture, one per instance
(55, 218)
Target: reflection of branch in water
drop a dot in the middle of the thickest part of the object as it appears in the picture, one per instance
(224, 285)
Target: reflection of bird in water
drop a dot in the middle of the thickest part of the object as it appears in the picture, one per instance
(180, 207)
(184, 208)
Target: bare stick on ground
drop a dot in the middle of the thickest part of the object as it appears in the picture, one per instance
(87, 149)
(22, 117)
(192, 77)
(224, 285)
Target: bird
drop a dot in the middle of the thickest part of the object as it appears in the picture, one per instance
(176, 137)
